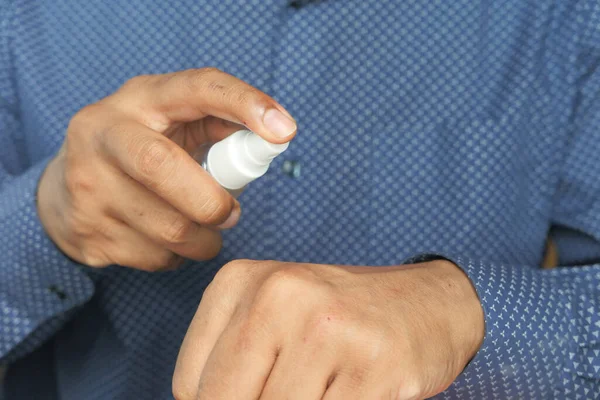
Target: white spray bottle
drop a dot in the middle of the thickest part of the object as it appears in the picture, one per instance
(239, 159)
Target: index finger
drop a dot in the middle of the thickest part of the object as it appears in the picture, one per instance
(240, 363)
(196, 93)
(169, 171)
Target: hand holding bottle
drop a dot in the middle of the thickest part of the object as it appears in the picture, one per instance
(125, 189)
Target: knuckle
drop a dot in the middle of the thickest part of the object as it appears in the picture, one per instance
(214, 210)
(94, 257)
(291, 278)
(251, 329)
(230, 275)
(146, 259)
(249, 95)
(234, 274)
(212, 293)
(277, 284)
(284, 285)
(94, 261)
(163, 261)
(200, 78)
(78, 180)
(137, 82)
(206, 72)
(178, 230)
(234, 270)
(84, 118)
(153, 157)
(106, 132)
(411, 389)
(79, 223)
(181, 391)
(211, 250)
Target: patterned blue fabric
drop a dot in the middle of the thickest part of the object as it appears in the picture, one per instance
(462, 128)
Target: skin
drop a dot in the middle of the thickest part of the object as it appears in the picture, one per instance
(271, 330)
(125, 189)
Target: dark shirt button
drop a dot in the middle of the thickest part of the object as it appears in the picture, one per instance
(59, 293)
(296, 4)
(291, 168)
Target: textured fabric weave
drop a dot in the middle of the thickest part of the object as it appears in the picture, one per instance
(465, 129)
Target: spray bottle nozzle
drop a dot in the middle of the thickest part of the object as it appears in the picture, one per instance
(241, 158)
(262, 151)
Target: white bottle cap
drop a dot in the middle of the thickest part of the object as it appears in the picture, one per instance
(241, 158)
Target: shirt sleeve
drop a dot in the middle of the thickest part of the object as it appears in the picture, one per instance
(542, 332)
(39, 286)
(542, 338)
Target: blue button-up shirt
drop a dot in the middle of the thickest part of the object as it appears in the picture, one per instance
(466, 129)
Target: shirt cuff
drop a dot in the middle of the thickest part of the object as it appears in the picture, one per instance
(528, 326)
(39, 283)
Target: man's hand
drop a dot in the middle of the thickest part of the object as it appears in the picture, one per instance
(125, 189)
(271, 330)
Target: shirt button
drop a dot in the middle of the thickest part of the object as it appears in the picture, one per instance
(291, 168)
(57, 292)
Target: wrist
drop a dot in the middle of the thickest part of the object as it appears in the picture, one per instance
(464, 311)
(44, 198)
(48, 210)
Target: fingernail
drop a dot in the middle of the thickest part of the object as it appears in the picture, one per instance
(278, 123)
(233, 218)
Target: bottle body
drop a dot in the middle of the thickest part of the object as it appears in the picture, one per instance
(239, 159)
(233, 192)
